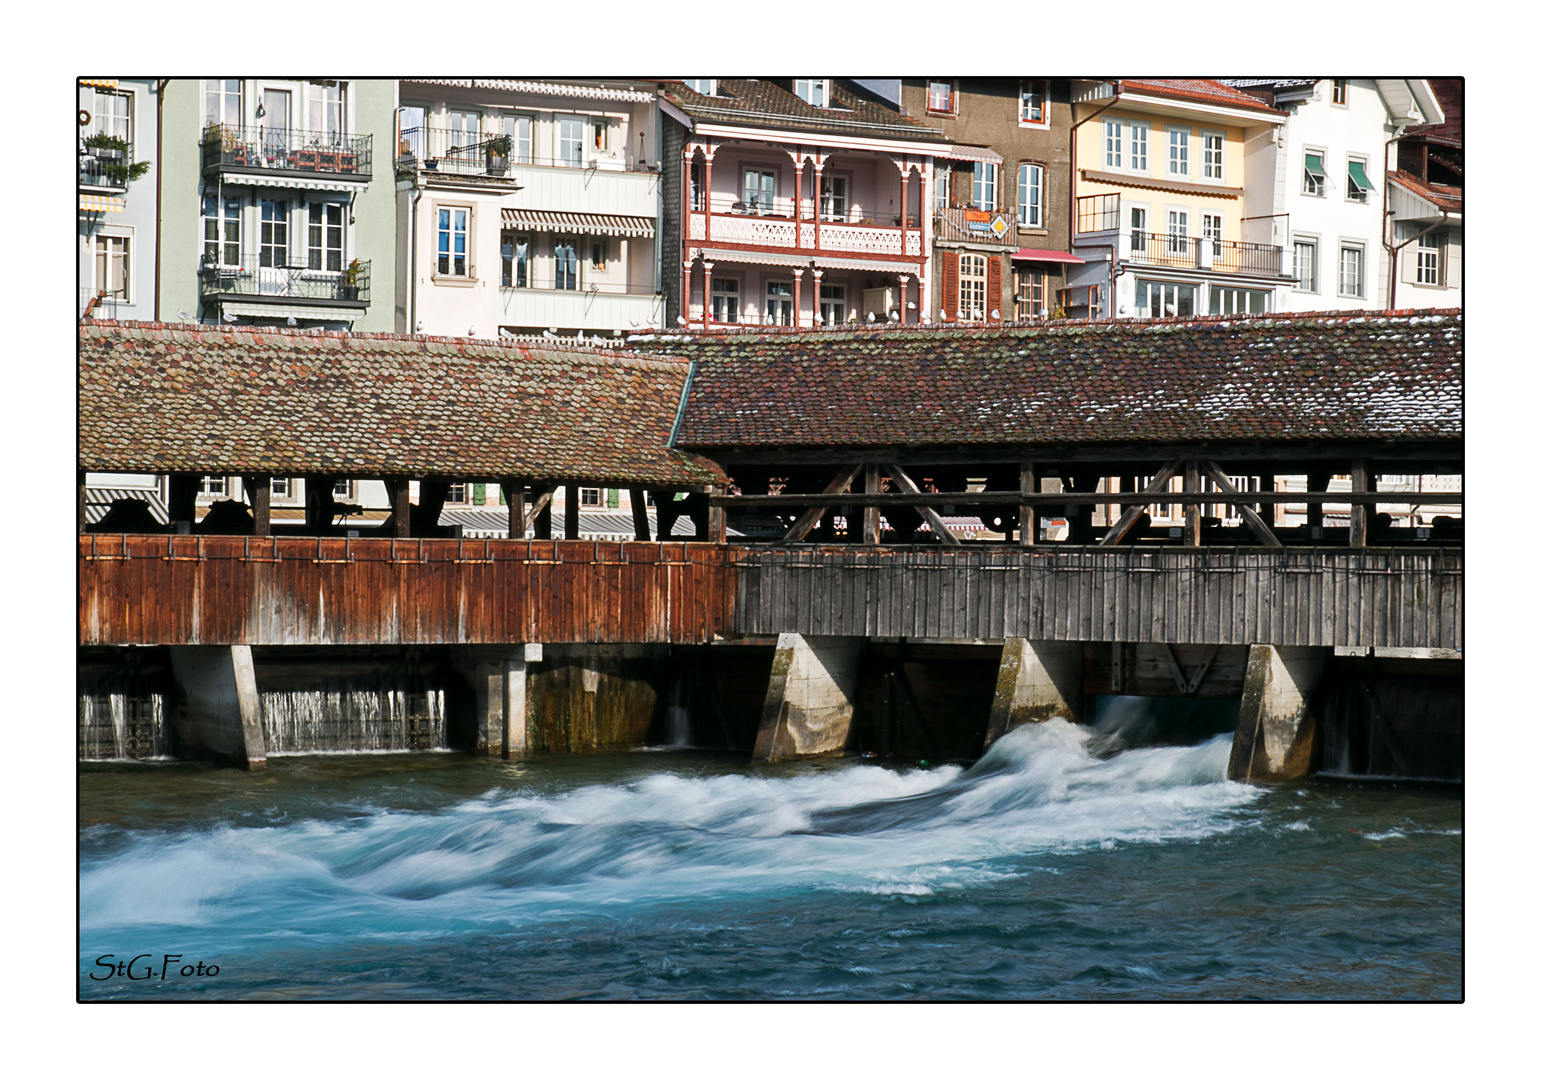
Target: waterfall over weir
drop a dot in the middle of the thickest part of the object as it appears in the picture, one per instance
(340, 721)
(116, 726)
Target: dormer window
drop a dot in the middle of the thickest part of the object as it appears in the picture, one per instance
(814, 91)
(703, 86)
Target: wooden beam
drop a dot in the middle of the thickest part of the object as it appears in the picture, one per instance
(399, 491)
(259, 490)
(513, 497)
(1193, 523)
(1078, 498)
(1155, 491)
(570, 518)
(943, 533)
(871, 529)
(80, 500)
(1358, 514)
(1249, 515)
(539, 512)
(716, 531)
(182, 499)
(810, 517)
(639, 512)
(1027, 515)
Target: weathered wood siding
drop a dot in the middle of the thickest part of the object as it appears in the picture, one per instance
(1385, 597)
(218, 590)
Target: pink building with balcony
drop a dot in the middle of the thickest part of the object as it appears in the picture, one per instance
(794, 202)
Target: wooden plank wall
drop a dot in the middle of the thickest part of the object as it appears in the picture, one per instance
(1384, 597)
(309, 591)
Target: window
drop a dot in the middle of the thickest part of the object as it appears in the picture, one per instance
(569, 140)
(519, 130)
(454, 241)
(599, 253)
(1213, 229)
(112, 266)
(1031, 293)
(1139, 146)
(832, 199)
(1351, 270)
(564, 257)
(778, 303)
(601, 128)
(1340, 91)
(940, 197)
(832, 304)
(940, 96)
(1305, 265)
(1113, 143)
(724, 300)
(1214, 155)
(1137, 234)
(1030, 194)
(328, 103)
(588, 496)
(1237, 301)
(325, 239)
(814, 91)
(1177, 151)
(221, 231)
(112, 114)
(516, 261)
(274, 238)
(464, 129)
(1033, 101)
(703, 86)
(1430, 268)
(280, 487)
(1358, 180)
(971, 287)
(212, 485)
(1177, 231)
(759, 190)
(1163, 299)
(1316, 174)
(342, 489)
(222, 102)
(457, 493)
(984, 184)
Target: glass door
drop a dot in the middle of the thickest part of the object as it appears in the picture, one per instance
(274, 127)
(569, 141)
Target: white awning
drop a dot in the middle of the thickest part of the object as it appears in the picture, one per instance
(572, 221)
(973, 153)
(291, 180)
(823, 262)
(298, 311)
(102, 204)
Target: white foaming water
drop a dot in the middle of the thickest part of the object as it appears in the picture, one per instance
(343, 721)
(110, 723)
(510, 857)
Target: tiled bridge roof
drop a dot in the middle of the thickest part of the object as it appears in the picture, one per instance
(172, 398)
(1321, 377)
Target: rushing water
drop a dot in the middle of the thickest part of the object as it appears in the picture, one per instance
(1063, 865)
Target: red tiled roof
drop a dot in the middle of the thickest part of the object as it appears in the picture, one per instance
(765, 103)
(195, 398)
(1209, 91)
(1445, 198)
(1358, 375)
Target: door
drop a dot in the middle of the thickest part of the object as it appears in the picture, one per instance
(569, 141)
(759, 191)
(274, 128)
(832, 203)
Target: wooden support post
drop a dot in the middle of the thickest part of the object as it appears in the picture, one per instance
(540, 513)
(182, 501)
(639, 512)
(942, 532)
(399, 491)
(871, 532)
(1265, 482)
(1358, 514)
(1153, 491)
(431, 497)
(570, 516)
(1258, 526)
(260, 491)
(1027, 516)
(669, 510)
(80, 500)
(1316, 480)
(716, 519)
(1193, 534)
(810, 517)
(513, 497)
(319, 503)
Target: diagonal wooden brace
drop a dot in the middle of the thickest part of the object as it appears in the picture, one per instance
(1152, 493)
(932, 518)
(804, 525)
(1249, 515)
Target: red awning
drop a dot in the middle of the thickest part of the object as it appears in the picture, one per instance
(1042, 255)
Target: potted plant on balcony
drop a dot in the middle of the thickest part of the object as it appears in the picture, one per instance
(497, 148)
(349, 288)
(111, 154)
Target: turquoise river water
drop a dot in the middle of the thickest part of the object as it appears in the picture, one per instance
(1064, 865)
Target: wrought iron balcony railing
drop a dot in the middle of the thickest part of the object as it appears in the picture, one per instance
(103, 168)
(469, 153)
(270, 277)
(1199, 253)
(273, 149)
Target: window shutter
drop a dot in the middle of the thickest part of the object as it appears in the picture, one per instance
(993, 293)
(950, 282)
(479, 494)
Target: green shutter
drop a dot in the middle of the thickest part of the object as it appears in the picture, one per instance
(613, 497)
(1314, 164)
(1356, 170)
(502, 498)
(479, 494)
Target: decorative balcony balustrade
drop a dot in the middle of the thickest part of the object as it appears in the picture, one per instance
(257, 277)
(968, 225)
(768, 231)
(267, 148)
(1178, 251)
(103, 168)
(485, 153)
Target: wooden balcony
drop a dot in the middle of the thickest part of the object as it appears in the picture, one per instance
(771, 232)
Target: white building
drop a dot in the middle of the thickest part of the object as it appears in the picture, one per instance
(116, 138)
(1328, 163)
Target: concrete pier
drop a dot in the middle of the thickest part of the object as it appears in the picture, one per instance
(497, 677)
(1278, 732)
(220, 716)
(811, 698)
(1038, 680)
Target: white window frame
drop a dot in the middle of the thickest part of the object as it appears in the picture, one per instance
(224, 92)
(521, 147)
(1162, 286)
(1113, 144)
(966, 279)
(223, 220)
(1139, 146)
(566, 248)
(1030, 205)
(1179, 151)
(1222, 297)
(559, 138)
(1309, 185)
(779, 300)
(1041, 86)
(281, 487)
(458, 493)
(951, 107)
(1348, 179)
(214, 485)
(1357, 291)
(588, 496)
(329, 104)
(273, 247)
(1430, 267)
(941, 182)
(706, 87)
(1035, 298)
(1332, 95)
(758, 188)
(125, 239)
(462, 137)
(733, 295)
(441, 229)
(832, 298)
(1214, 154)
(316, 256)
(987, 178)
(1139, 235)
(829, 197)
(342, 488)
(1177, 231)
(809, 89)
(1213, 230)
(105, 119)
(1313, 283)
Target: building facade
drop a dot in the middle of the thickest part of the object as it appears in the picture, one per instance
(794, 202)
(116, 175)
(273, 209)
(1010, 160)
(528, 207)
(1426, 201)
(1174, 202)
(1330, 189)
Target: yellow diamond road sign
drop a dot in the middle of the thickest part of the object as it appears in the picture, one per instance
(998, 226)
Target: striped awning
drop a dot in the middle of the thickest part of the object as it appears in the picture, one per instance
(279, 310)
(102, 204)
(571, 221)
(105, 84)
(291, 180)
(973, 153)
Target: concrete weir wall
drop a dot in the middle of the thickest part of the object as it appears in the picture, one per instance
(1277, 733)
(593, 697)
(811, 698)
(220, 716)
(1037, 680)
